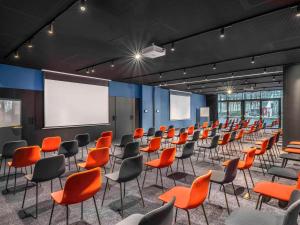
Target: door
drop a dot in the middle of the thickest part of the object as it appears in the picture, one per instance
(270, 110)
(252, 111)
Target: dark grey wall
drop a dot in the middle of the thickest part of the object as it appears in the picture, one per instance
(212, 103)
(291, 103)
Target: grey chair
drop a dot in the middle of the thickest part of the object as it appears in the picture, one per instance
(246, 216)
(187, 152)
(8, 151)
(131, 149)
(45, 169)
(158, 133)
(227, 177)
(69, 149)
(213, 145)
(213, 132)
(150, 133)
(125, 139)
(195, 136)
(83, 141)
(160, 216)
(232, 139)
(130, 169)
(181, 130)
(287, 173)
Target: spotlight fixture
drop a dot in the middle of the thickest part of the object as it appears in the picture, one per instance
(138, 56)
(29, 44)
(160, 75)
(87, 71)
(205, 78)
(253, 60)
(83, 5)
(265, 70)
(214, 67)
(273, 78)
(184, 72)
(229, 91)
(188, 86)
(222, 33)
(298, 11)
(16, 55)
(112, 65)
(173, 47)
(51, 29)
(93, 70)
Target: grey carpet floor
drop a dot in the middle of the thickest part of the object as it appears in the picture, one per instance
(11, 213)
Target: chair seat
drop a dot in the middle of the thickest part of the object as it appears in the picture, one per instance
(244, 216)
(295, 143)
(177, 142)
(154, 163)
(293, 146)
(241, 164)
(217, 176)
(82, 165)
(274, 190)
(49, 150)
(287, 173)
(182, 195)
(58, 196)
(292, 150)
(113, 176)
(133, 219)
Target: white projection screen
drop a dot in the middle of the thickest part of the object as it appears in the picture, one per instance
(180, 106)
(75, 104)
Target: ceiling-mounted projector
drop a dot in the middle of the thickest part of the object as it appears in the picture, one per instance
(153, 51)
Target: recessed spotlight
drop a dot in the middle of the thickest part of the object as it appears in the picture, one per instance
(273, 78)
(253, 60)
(214, 67)
(205, 78)
(172, 47)
(93, 70)
(87, 71)
(137, 56)
(222, 33)
(29, 44)
(184, 72)
(188, 86)
(112, 64)
(83, 5)
(265, 70)
(298, 11)
(160, 75)
(229, 91)
(16, 55)
(51, 29)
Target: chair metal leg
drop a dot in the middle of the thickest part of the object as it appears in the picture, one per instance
(15, 183)
(145, 176)
(25, 194)
(192, 166)
(53, 204)
(60, 183)
(67, 214)
(69, 163)
(7, 178)
(209, 189)
(204, 214)
(246, 182)
(176, 214)
(81, 210)
(4, 166)
(183, 169)
(262, 168)
(106, 186)
(188, 214)
(172, 175)
(36, 199)
(226, 199)
(237, 199)
(137, 180)
(51, 185)
(258, 201)
(113, 167)
(251, 177)
(162, 184)
(76, 163)
(98, 217)
(121, 200)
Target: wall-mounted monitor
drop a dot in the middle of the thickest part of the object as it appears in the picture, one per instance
(10, 112)
(180, 105)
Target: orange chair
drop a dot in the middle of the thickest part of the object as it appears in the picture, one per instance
(260, 154)
(204, 125)
(224, 142)
(239, 138)
(204, 135)
(165, 160)
(190, 130)
(98, 157)
(23, 157)
(281, 192)
(103, 142)
(107, 133)
(182, 139)
(170, 135)
(154, 146)
(189, 198)
(250, 133)
(246, 165)
(138, 133)
(79, 187)
(163, 128)
(51, 144)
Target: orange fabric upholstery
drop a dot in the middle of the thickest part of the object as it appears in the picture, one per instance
(189, 198)
(263, 147)
(103, 142)
(166, 159)
(292, 150)
(138, 133)
(294, 143)
(163, 128)
(98, 157)
(154, 145)
(182, 139)
(240, 135)
(190, 130)
(205, 125)
(225, 139)
(171, 133)
(25, 156)
(204, 134)
(51, 144)
(107, 134)
(79, 187)
(247, 163)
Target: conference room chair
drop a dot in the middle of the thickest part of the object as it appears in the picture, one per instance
(189, 197)
(239, 138)
(125, 139)
(69, 149)
(181, 141)
(190, 130)
(78, 188)
(181, 130)
(282, 172)
(281, 192)
(213, 132)
(153, 147)
(46, 169)
(221, 178)
(224, 144)
(246, 164)
(231, 141)
(83, 141)
(160, 216)
(107, 134)
(163, 128)
(204, 136)
(22, 157)
(220, 127)
(249, 133)
(150, 133)
(246, 216)
(269, 153)
(158, 133)
(212, 146)
(165, 160)
(170, 127)
(204, 125)
(186, 153)
(51, 144)
(8, 151)
(102, 142)
(130, 169)
(138, 134)
(260, 152)
(131, 150)
(195, 137)
(97, 158)
(169, 136)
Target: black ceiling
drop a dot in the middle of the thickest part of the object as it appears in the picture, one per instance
(113, 29)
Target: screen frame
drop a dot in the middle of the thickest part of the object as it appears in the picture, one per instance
(14, 99)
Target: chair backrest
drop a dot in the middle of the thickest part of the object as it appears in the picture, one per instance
(130, 168)
(107, 134)
(170, 127)
(271, 142)
(161, 216)
(138, 133)
(167, 157)
(214, 141)
(98, 157)
(205, 133)
(182, 130)
(49, 168)
(213, 132)
(51, 143)
(277, 135)
(225, 138)
(250, 158)
(154, 144)
(158, 133)
(125, 139)
(205, 124)
(263, 146)
(163, 128)
(10, 147)
(131, 150)
(220, 126)
(231, 170)
(232, 136)
(292, 213)
(183, 137)
(103, 142)
(81, 186)
(199, 191)
(196, 135)
(26, 156)
(151, 132)
(188, 149)
(240, 134)
(68, 148)
(190, 130)
(171, 133)
(83, 139)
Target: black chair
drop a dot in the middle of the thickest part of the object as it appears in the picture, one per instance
(213, 145)
(246, 216)
(161, 216)
(195, 136)
(170, 127)
(220, 127)
(8, 151)
(83, 141)
(227, 177)
(130, 169)
(287, 173)
(232, 139)
(125, 139)
(213, 132)
(158, 133)
(150, 133)
(132, 149)
(187, 152)
(45, 169)
(69, 149)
